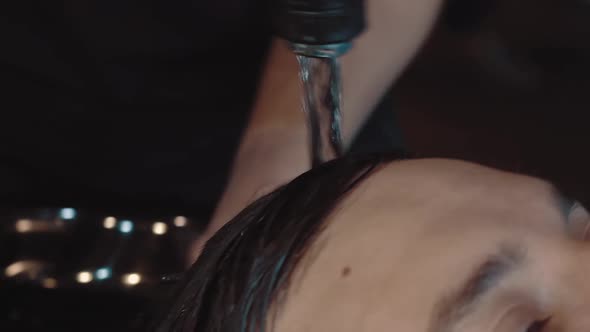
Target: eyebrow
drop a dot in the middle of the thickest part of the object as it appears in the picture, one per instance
(452, 309)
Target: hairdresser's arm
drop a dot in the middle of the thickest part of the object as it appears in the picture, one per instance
(274, 148)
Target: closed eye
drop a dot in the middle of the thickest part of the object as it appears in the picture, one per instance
(539, 325)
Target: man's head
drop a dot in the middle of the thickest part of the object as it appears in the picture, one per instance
(416, 245)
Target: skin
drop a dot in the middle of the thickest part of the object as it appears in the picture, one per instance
(274, 148)
(399, 248)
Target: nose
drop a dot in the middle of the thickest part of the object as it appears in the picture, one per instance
(578, 221)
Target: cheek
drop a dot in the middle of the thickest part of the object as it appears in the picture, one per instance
(573, 306)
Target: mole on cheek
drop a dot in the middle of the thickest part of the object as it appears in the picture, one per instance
(345, 271)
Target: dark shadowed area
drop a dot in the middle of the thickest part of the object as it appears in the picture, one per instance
(167, 88)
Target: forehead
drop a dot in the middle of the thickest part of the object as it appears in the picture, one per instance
(458, 175)
(439, 193)
(385, 250)
(456, 183)
(435, 197)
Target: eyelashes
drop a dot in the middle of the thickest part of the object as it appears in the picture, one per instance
(538, 326)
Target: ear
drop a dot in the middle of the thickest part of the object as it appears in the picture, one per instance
(578, 222)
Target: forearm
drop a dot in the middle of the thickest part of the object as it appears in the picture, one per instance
(259, 168)
(275, 147)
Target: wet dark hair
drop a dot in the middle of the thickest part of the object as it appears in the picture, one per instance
(245, 266)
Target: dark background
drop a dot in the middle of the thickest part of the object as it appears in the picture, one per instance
(134, 109)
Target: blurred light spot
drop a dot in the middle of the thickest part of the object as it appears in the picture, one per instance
(103, 273)
(180, 221)
(131, 279)
(15, 268)
(24, 225)
(159, 228)
(67, 213)
(30, 268)
(109, 222)
(126, 226)
(49, 283)
(84, 277)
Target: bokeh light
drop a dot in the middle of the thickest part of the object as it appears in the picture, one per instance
(24, 225)
(159, 228)
(131, 279)
(84, 277)
(109, 222)
(180, 221)
(103, 273)
(126, 226)
(67, 213)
